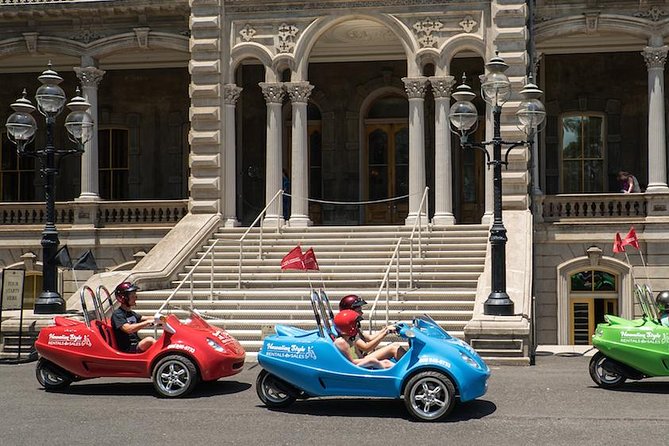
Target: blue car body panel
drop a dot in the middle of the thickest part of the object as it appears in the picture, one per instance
(313, 363)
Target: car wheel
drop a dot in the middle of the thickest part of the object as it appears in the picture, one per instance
(602, 377)
(271, 391)
(429, 396)
(50, 376)
(174, 376)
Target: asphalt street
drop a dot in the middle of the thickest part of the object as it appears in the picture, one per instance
(552, 403)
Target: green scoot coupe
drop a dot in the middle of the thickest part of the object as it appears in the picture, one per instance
(630, 349)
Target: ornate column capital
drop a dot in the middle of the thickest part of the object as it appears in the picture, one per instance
(415, 86)
(273, 92)
(442, 85)
(655, 56)
(231, 93)
(89, 76)
(298, 91)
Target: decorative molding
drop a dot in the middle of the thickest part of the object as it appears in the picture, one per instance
(31, 42)
(273, 93)
(247, 33)
(86, 35)
(468, 24)
(441, 86)
(231, 93)
(89, 76)
(591, 22)
(415, 87)
(298, 91)
(655, 57)
(287, 36)
(142, 35)
(425, 30)
(655, 14)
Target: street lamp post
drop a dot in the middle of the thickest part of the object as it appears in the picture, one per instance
(496, 90)
(21, 129)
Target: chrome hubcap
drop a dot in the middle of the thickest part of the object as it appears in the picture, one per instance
(173, 377)
(429, 397)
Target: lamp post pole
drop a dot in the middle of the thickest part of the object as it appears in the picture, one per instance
(496, 89)
(21, 129)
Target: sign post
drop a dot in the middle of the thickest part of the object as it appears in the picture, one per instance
(11, 296)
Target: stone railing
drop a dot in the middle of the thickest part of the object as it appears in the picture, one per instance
(96, 213)
(592, 206)
(30, 2)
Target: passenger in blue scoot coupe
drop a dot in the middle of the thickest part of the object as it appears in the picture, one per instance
(662, 302)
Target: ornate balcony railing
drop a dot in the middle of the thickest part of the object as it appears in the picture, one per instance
(593, 206)
(97, 213)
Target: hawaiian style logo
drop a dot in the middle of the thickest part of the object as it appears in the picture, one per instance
(647, 337)
(290, 351)
(186, 348)
(72, 340)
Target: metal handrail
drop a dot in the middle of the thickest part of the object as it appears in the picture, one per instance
(419, 222)
(384, 283)
(241, 240)
(190, 276)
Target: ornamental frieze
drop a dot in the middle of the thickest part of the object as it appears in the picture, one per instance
(432, 31)
(655, 57)
(654, 14)
(287, 35)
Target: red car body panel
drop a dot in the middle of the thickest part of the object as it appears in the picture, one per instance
(90, 352)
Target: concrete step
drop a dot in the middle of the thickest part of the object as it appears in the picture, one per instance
(294, 304)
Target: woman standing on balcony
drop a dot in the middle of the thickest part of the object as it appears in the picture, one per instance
(628, 183)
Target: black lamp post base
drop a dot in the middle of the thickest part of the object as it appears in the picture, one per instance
(49, 302)
(498, 304)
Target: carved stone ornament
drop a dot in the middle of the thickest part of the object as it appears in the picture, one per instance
(273, 92)
(591, 22)
(654, 14)
(425, 32)
(655, 57)
(142, 35)
(89, 76)
(415, 87)
(299, 91)
(86, 35)
(231, 93)
(31, 42)
(287, 37)
(468, 24)
(247, 33)
(442, 85)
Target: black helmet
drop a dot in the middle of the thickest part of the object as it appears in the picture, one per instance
(662, 300)
(123, 290)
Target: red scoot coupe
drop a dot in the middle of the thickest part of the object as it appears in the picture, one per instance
(188, 351)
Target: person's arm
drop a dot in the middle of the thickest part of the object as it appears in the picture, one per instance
(370, 344)
(134, 328)
(342, 345)
(630, 185)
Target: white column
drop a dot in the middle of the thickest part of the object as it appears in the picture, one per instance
(274, 95)
(657, 151)
(415, 88)
(299, 96)
(90, 77)
(231, 94)
(443, 166)
(489, 184)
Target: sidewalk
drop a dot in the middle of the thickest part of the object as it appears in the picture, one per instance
(565, 350)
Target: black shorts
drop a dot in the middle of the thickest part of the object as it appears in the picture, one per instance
(132, 348)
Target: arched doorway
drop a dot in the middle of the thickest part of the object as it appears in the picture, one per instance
(386, 160)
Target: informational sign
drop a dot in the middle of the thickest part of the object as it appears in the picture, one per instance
(12, 289)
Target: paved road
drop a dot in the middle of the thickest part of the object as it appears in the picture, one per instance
(554, 403)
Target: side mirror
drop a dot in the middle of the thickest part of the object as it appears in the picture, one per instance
(410, 334)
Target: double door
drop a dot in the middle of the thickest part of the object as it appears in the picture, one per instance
(386, 172)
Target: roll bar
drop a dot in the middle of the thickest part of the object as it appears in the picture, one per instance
(84, 308)
(315, 305)
(102, 289)
(645, 298)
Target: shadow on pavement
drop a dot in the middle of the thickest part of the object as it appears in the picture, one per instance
(382, 408)
(659, 387)
(202, 390)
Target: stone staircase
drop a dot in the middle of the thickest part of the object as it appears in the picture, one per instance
(351, 259)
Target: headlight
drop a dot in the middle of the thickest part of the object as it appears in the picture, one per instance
(469, 360)
(599, 332)
(216, 346)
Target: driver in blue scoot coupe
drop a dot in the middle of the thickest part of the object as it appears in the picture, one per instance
(662, 302)
(363, 345)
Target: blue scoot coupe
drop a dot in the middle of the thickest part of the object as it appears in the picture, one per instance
(436, 370)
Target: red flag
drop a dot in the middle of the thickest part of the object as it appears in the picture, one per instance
(631, 239)
(310, 260)
(294, 259)
(618, 244)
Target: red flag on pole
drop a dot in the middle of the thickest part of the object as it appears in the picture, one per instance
(310, 260)
(631, 239)
(618, 244)
(294, 259)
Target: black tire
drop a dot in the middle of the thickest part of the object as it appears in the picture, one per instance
(429, 396)
(174, 376)
(270, 390)
(604, 378)
(52, 377)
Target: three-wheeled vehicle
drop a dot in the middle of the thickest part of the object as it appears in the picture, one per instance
(436, 369)
(188, 351)
(630, 349)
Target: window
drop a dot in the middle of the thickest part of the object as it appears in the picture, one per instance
(32, 287)
(583, 153)
(17, 173)
(113, 163)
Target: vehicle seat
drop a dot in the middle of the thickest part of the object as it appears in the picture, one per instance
(106, 332)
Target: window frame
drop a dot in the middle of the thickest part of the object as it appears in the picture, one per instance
(582, 159)
(111, 169)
